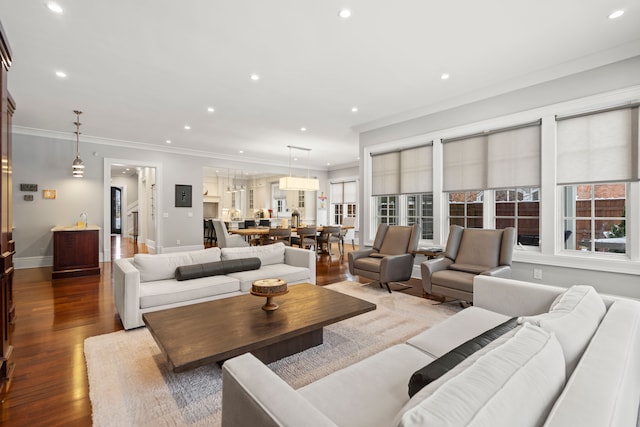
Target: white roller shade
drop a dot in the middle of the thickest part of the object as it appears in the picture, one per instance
(416, 175)
(350, 192)
(598, 147)
(464, 164)
(336, 193)
(385, 174)
(513, 158)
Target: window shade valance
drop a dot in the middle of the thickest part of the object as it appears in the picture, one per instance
(406, 171)
(598, 147)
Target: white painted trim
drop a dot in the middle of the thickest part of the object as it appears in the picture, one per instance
(33, 262)
(67, 136)
(550, 215)
(108, 162)
(613, 263)
(182, 248)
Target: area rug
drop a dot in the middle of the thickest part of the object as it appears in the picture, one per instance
(131, 384)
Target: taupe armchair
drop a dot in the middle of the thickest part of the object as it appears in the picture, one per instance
(391, 257)
(469, 252)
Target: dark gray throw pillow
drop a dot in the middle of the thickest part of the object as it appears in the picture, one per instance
(195, 271)
(448, 361)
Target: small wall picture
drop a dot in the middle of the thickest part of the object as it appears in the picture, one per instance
(49, 194)
(28, 197)
(183, 196)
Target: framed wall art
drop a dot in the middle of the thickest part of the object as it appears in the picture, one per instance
(183, 196)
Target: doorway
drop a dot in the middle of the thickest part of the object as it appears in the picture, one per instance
(130, 190)
(116, 210)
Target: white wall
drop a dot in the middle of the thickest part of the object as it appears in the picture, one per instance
(46, 161)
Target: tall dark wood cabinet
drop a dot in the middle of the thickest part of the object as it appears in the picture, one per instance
(7, 247)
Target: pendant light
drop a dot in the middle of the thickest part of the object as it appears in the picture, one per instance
(77, 166)
(297, 183)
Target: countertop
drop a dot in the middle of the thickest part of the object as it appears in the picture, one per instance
(74, 228)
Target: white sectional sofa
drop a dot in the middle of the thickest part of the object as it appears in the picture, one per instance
(148, 282)
(572, 360)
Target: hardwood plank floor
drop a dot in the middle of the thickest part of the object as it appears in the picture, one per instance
(50, 385)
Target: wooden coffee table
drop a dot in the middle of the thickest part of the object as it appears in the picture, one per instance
(214, 331)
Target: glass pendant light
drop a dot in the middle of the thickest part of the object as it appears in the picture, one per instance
(78, 166)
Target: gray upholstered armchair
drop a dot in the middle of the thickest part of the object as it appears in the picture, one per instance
(469, 252)
(391, 257)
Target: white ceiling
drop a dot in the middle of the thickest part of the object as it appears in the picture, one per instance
(141, 70)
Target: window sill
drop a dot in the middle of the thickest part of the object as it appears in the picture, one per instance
(614, 263)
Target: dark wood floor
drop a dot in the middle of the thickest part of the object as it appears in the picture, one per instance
(50, 386)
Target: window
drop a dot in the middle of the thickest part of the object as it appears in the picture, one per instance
(402, 182)
(495, 160)
(387, 210)
(301, 199)
(597, 159)
(519, 208)
(250, 198)
(595, 217)
(343, 200)
(419, 209)
(465, 208)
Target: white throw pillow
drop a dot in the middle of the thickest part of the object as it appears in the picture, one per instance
(514, 383)
(205, 255)
(268, 254)
(161, 266)
(574, 317)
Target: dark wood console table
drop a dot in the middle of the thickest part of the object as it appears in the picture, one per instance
(75, 251)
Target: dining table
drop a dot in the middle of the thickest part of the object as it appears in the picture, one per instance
(249, 233)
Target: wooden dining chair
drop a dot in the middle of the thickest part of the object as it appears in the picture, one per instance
(330, 234)
(307, 237)
(277, 235)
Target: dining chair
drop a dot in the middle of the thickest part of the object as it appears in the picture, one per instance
(307, 237)
(348, 233)
(277, 235)
(209, 232)
(330, 234)
(226, 240)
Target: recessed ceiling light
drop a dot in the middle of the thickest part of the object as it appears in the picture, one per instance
(445, 76)
(616, 14)
(344, 13)
(354, 109)
(54, 7)
(211, 109)
(255, 77)
(168, 141)
(241, 152)
(303, 129)
(187, 127)
(124, 172)
(61, 74)
(328, 164)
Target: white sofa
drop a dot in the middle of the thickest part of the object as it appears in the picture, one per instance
(148, 282)
(577, 364)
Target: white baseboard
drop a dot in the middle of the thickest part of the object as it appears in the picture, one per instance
(182, 248)
(39, 261)
(33, 262)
